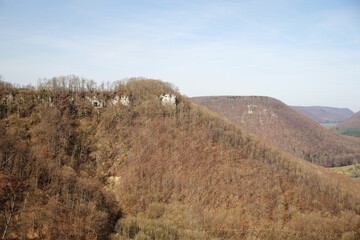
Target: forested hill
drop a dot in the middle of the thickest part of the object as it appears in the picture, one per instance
(353, 122)
(325, 114)
(80, 163)
(286, 128)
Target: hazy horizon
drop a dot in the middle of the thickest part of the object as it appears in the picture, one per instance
(302, 53)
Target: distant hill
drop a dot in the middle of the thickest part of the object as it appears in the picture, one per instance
(353, 122)
(80, 163)
(286, 128)
(325, 114)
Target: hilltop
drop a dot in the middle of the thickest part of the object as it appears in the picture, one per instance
(353, 122)
(325, 114)
(86, 165)
(350, 127)
(286, 128)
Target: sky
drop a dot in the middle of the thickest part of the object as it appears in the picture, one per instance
(301, 52)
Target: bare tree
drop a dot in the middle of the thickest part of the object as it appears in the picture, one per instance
(11, 199)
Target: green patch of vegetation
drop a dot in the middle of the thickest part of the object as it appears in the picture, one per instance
(355, 132)
(314, 158)
(328, 125)
(350, 171)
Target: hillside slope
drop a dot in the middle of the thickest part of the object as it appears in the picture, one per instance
(149, 170)
(353, 122)
(325, 114)
(286, 128)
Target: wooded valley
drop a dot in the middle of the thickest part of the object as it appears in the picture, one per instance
(282, 126)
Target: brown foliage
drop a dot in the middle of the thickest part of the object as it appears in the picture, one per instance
(181, 173)
(353, 122)
(286, 128)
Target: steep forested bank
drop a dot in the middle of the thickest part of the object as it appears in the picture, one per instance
(282, 126)
(149, 170)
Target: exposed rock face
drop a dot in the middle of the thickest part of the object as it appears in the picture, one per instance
(10, 99)
(168, 99)
(96, 102)
(51, 101)
(125, 100)
(116, 99)
(251, 109)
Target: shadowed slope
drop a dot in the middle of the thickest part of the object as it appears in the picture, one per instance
(286, 128)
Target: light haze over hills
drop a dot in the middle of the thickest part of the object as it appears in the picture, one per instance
(325, 114)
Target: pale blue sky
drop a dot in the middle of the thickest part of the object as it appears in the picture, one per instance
(302, 52)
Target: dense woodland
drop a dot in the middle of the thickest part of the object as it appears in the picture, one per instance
(152, 171)
(286, 128)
